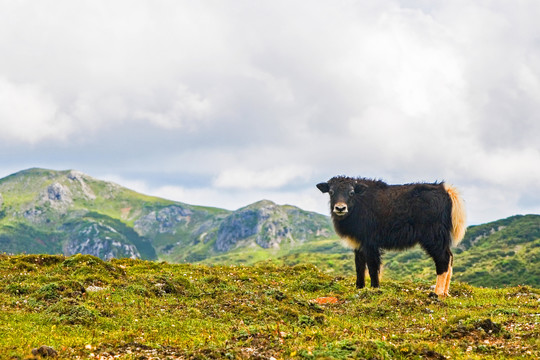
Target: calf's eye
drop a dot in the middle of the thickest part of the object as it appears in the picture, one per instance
(331, 192)
(351, 193)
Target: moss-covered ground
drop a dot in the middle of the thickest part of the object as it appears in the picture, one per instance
(82, 307)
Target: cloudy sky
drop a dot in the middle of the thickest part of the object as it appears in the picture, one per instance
(224, 103)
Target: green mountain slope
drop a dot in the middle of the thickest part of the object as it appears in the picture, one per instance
(497, 254)
(68, 212)
(500, 253)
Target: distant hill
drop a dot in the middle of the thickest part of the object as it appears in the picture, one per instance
(497, 254)
(68, 212)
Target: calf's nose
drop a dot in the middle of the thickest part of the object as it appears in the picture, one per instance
(340, 208)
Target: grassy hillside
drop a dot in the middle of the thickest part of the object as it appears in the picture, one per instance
(497, 254)
(68, 212)
(46, 211)
(83, 307)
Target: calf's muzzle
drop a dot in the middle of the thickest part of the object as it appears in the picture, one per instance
(340, 209)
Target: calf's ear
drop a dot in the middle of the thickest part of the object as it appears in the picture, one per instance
(324, 187)
(360, 188)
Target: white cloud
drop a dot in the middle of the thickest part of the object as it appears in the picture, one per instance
(505, 168)
(178, 109)
(274, 178)
(259, 98)
(28, 114)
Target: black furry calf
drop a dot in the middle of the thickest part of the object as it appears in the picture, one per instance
(373, 216)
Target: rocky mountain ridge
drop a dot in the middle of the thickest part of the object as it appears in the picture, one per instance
(69, 212)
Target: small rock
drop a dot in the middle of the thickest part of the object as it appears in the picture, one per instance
(489, 326)
(45, 351)
(93, 288)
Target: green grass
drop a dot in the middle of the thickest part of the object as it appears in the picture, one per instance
(136, 309)
(316, 252)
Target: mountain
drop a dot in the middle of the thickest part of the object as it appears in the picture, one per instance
(68, 212)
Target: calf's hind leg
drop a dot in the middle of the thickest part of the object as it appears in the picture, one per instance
(448, 277)
(439, 250)
(373, 259)
(444, 273)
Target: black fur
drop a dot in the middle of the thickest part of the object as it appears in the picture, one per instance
(380, 216)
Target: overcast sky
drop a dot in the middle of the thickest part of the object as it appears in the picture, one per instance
(224, 103)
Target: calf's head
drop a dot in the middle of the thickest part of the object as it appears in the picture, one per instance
(343, 192)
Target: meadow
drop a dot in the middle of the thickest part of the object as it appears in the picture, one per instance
(81, 307)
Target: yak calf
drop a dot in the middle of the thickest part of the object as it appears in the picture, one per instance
(373, 216)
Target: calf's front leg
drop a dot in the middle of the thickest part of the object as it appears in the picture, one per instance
(360, 262)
